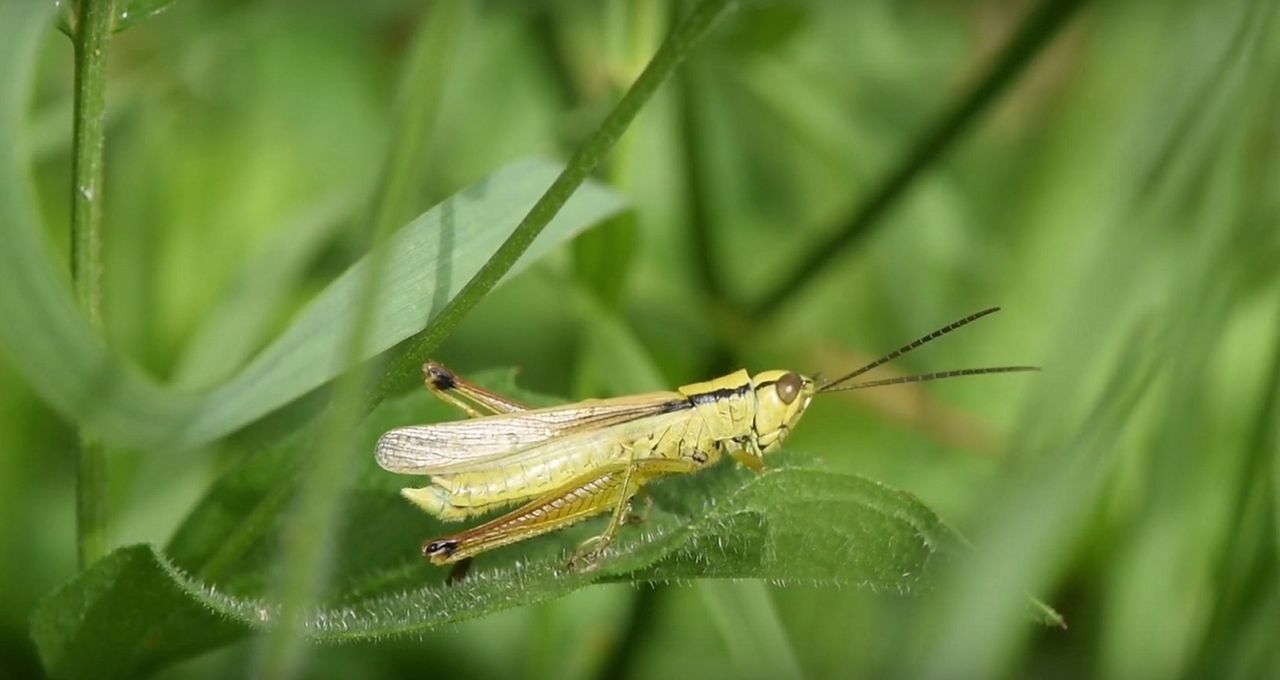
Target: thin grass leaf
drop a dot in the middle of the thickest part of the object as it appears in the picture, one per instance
(1251, 554)
(128, 13)
(1035, 520)
(604, 258)
(687, 32)
(748, 621)
(418, 108)
(432, 258)
(1041, 25)
(306, 551)
(132, 12)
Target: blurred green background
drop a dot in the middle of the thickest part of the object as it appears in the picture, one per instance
(1113, 183)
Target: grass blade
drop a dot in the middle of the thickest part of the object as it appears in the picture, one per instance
(306, 551)
(749, 624)
(664, 62)
(1036, 32)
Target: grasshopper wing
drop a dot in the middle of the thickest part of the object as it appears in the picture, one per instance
(446, 447)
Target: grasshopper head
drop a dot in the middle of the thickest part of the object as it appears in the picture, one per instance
(781, 398)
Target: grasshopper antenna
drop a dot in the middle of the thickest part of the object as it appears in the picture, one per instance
(830, 386)
(928, 377)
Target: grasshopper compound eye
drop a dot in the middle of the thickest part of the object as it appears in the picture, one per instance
(788, 387)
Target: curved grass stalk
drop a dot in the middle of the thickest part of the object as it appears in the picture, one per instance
(673, 50)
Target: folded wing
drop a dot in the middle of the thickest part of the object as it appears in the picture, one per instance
(452, 446)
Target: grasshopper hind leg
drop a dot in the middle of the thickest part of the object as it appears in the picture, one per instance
(476, 402)
(459, 571)
(470, 398)
(608, 488)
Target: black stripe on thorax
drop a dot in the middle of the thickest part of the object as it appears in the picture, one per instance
(716, 395)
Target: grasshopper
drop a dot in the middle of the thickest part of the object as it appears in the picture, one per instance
(575, 461)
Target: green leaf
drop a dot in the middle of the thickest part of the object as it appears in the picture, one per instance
(140, 608)
(131, 612)
(799, 525)
(135, 610)
(431, 259)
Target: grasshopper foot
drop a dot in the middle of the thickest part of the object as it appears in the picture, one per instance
(587, 556)
(459, 572)
(633, 518)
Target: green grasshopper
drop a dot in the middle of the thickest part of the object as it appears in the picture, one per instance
(575, 461)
